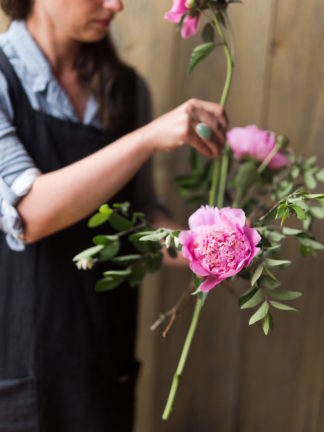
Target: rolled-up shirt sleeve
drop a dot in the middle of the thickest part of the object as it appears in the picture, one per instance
(17, 172)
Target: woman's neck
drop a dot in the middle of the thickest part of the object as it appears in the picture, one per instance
(60, 50)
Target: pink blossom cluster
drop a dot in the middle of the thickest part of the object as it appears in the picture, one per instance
(218, 244)
(190, 24)
(256, 143)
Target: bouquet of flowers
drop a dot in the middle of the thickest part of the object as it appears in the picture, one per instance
(244, 199)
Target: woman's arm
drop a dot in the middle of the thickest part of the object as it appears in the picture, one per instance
(63, 197)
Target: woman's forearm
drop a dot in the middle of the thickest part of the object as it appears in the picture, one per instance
(65, 196)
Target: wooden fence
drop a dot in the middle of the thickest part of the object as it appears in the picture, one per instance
(237, 380)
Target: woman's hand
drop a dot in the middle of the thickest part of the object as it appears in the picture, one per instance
(47, 207)
(178, 127)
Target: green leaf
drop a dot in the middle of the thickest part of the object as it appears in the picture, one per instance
(107, 284)
(247, 296)
(154, 262)
(276, 263)
(137, 275)
(320, 175)
(127, 259)
(316, 196)
(141, 246)
(291, 231)
(310, 243)
(317, 212)
(88, 252)
(267, 324)
(271, 275)
(200, 53)
(295, 171)
(196, 280)
(119, 223)
(281, 210)
(221, 18)
(284, 217)
(246, 176)
(195, 160)
(285, 187)
(208, 33)
(274, 236)
(285, 295)
(104, 239)
(172, 252)
(257, 274)
(310, 161)
(123, 207)
(190, 182)
(117, 273)
(269, 283)
(309, 180)
(282, 306)
(154, 236)
(105, 209)
(260, 313)
(109, 251)
(98, 219)
(254, 300)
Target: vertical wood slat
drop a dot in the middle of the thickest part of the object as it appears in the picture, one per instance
(284, 374)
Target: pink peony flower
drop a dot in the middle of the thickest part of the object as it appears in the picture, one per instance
(256, 143)
(190, 24)
(219, 244)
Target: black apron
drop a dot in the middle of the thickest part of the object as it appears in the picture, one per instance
(66, 352)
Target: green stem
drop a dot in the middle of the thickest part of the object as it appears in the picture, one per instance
(221, 172)
(218, 182)
(223, 178)
(182, 361)
(269, 158)
(214, 183)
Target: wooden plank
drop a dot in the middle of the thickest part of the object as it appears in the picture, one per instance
(285, 373)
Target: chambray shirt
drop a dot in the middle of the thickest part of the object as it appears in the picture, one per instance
(17, 169)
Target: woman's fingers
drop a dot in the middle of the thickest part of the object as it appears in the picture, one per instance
(214, 117)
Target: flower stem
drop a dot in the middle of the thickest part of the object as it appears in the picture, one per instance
(220, 174)
(269, 158)
(223, 178)
(214, 184)
(218, 186)
(182, 361)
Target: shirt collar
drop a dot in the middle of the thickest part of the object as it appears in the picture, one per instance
(30, 54)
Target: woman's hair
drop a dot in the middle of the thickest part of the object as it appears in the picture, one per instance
(98, 65)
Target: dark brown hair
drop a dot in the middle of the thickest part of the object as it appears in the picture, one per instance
(98, 65)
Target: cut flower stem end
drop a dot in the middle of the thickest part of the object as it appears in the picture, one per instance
(178, 373)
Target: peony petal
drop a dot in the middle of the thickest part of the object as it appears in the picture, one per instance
(210, 283)
(173, 17)
(205, 215)
(189, 26)
(186, 239)
(198, 269)
(179, 6)
(279, 161)
(254, 238)
(234, 215)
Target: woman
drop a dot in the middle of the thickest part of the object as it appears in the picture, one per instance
(67, 353)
